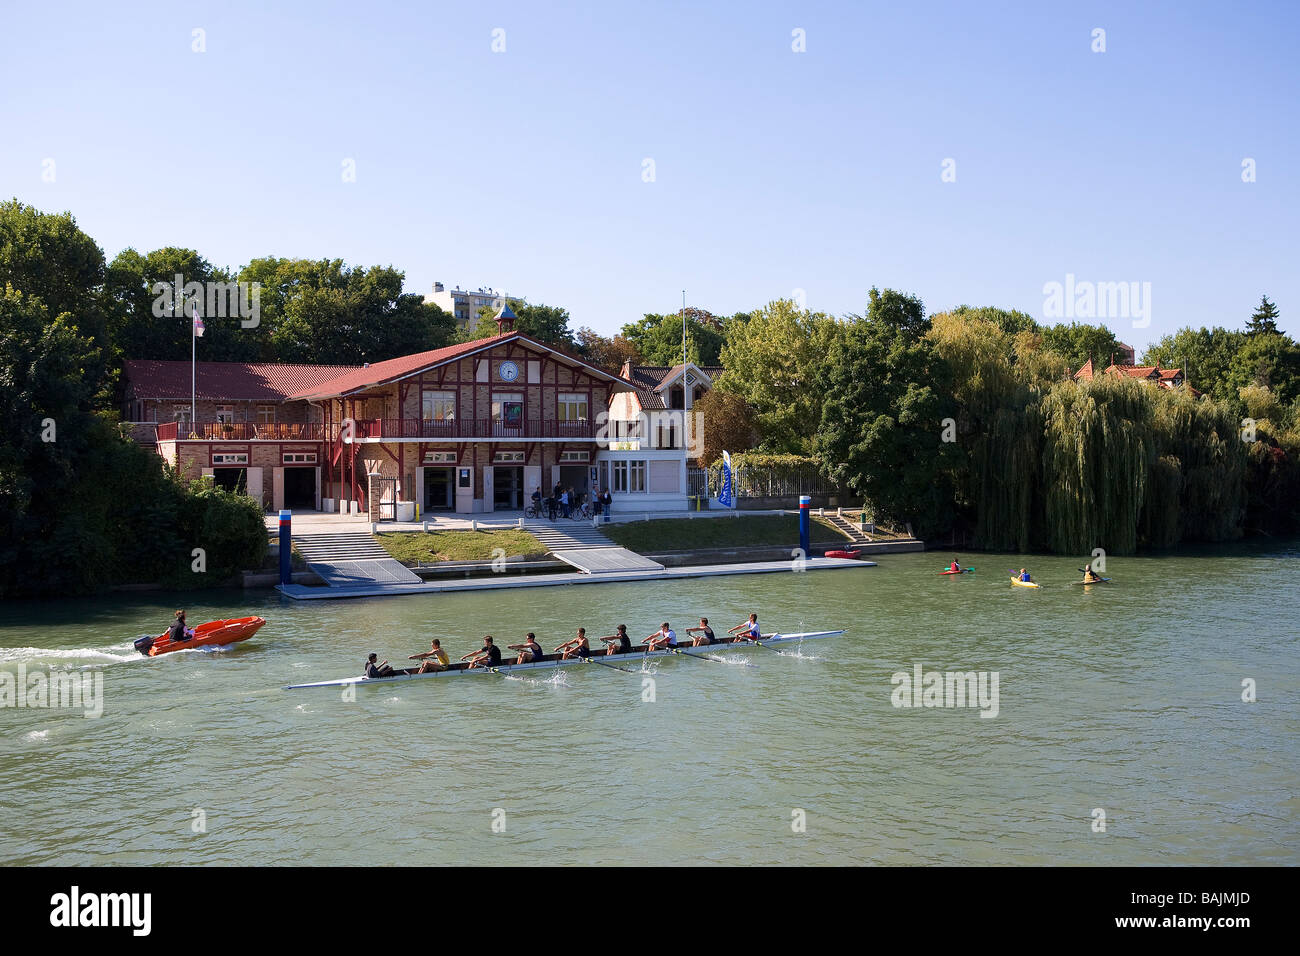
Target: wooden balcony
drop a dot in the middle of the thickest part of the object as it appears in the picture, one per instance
(241, 431)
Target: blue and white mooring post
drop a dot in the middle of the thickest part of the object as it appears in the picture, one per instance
(805, 517)
(286, 547)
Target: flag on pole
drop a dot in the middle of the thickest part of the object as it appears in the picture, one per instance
(724, 493)
(198, 323)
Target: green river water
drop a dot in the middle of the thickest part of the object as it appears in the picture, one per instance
(1125, 698)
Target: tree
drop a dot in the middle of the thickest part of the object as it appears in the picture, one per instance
(771, 361)
(1264, 319)
(607, 353)
(1272, 361)
(729, 424)
(658, 338)
(1010, 321)
(546, 323)
(1079, 342)
(886, 395)
(47, 257)
(1205, 355)
(325, 312)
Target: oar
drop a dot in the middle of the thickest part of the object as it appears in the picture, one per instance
(625, 670)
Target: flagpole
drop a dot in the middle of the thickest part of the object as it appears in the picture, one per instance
(194, 353)
(683, 329)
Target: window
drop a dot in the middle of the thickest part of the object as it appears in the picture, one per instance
(230, 459)
(509, 458)
(572, 407)
(629, 477)
(665, 477)
(182, 415)
(225, 414)
(266, 414)
(300, 458)
(575, 457)
(508, 409)
(438, 406)
(440, 457)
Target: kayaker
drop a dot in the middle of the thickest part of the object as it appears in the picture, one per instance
(619, 643)
(435, 659)
(955, 568)
(377, 670)
(703, 633)
(749, 630)
(488, 654)
(178, 631)
(575, 646)
(1089, 575)
(664, 637)
(529, 651)
(1024, 576)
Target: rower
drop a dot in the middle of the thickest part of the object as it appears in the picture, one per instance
(529, 651)
(664, 637)
(435, 659)
(488, 654)
(1024, 575)
(749, 630)
(178, 631)
(618, 643)
(377, 670)
(703, 633)
(575, 646)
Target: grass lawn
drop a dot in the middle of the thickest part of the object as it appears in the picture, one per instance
(458, 545)
(691, 534)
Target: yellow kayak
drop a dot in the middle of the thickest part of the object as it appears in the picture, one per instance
(1023, 584)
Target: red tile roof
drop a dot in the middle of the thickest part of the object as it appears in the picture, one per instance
(382, 373)
(236, 381)
(1085, 373)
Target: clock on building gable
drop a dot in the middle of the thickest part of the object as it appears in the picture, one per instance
(508, 371)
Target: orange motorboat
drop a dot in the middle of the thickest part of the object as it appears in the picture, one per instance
(213, 633)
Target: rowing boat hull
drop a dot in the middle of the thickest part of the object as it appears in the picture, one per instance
(637, 653)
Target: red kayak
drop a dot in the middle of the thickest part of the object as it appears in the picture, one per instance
(842, 554)
(205, 635)
(962, 571)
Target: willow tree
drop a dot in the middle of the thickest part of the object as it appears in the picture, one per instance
(1097, 453)
(1204, 437)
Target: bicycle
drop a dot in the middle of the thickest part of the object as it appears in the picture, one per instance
(581, 514)
(533, 511)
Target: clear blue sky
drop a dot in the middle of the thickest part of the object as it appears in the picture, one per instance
(775, 170)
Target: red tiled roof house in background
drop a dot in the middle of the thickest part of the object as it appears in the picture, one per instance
(470, 428)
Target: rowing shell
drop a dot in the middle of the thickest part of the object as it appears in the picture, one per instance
(638, 652)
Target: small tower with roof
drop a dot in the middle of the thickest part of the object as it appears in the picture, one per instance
(505, 319)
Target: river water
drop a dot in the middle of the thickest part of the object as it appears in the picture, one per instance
(1124, 699)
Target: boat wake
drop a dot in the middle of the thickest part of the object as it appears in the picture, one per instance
(90, 656)
(558, 679)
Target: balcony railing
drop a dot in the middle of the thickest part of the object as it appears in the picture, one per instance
(462, 428)
(241, 431)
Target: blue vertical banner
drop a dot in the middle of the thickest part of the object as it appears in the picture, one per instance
(724, 493)
(805, 520)
(286, 547)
